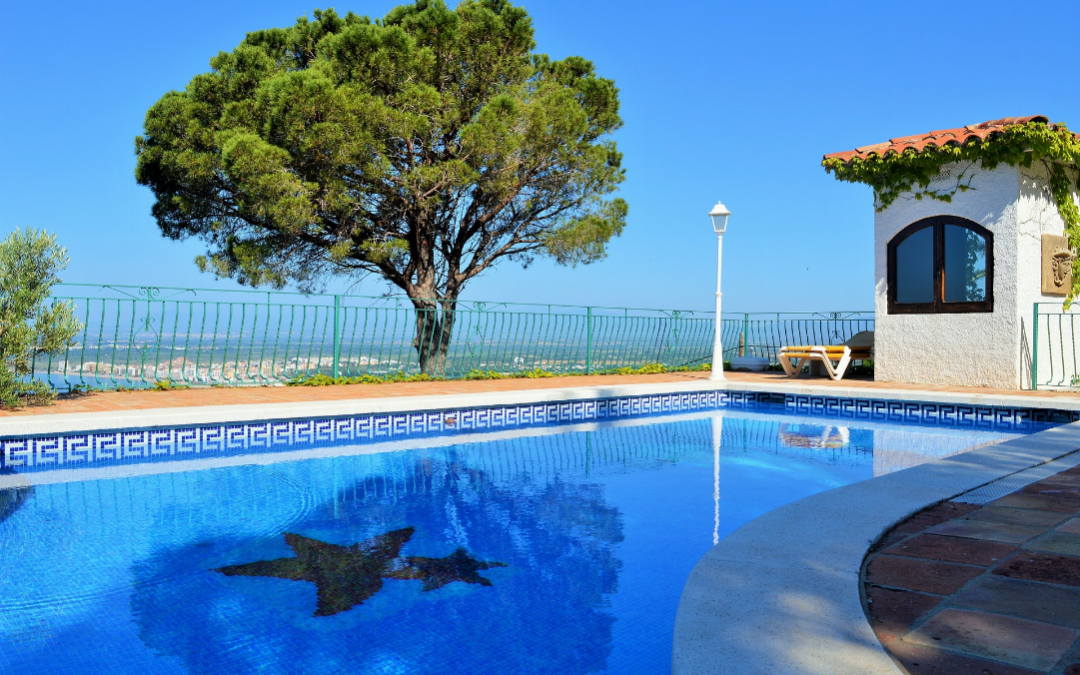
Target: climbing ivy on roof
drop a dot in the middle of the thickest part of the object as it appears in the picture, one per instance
(1022, 145)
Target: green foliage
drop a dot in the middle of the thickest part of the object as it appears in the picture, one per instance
(321, 380)
(700, 368)
(647, 369)
(484, 375)
(423, 148)
(535, 373)
(30, 326)
(1022, 145)
(165, 385)
(658, 368)
(83, 389)
(862, 368)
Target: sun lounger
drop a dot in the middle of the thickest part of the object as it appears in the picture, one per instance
(832, 359)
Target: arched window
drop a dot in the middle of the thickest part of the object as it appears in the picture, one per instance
(941, 264)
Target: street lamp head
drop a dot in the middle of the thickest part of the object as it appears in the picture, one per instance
(719, 216)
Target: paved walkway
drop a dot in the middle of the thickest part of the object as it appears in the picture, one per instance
(963, 589)
(201, 396)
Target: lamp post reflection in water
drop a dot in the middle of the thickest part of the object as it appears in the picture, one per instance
(717, 433)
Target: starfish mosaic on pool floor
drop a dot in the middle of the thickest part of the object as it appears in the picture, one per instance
(346, 576)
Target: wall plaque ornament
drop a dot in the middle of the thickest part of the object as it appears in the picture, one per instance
(1057, 260)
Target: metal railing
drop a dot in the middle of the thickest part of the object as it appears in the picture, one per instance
(1054, 361)
(764, 333)
(136, 336)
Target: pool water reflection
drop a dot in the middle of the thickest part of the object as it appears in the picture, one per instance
(542, 553)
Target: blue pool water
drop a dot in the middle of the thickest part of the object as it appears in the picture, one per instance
(549, 551)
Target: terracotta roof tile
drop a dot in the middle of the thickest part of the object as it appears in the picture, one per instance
(937, 138)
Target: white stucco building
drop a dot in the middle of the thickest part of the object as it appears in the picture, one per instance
(956, 282)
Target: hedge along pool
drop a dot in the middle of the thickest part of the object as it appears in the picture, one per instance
(551, 550)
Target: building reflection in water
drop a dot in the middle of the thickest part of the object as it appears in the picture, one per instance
(813, 436)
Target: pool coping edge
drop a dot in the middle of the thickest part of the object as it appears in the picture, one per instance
(67, 423)
(782, 593)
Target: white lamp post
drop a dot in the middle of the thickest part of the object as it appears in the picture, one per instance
(719, 216)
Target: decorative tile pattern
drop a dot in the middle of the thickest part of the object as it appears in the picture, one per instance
(124, 446)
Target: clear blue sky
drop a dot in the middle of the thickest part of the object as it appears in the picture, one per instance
(731, 101)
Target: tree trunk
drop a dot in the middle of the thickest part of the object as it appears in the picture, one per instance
(433, 331)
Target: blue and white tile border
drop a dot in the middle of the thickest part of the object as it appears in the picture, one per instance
(107, 447)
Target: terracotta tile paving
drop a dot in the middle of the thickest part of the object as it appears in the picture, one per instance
(1026, 599)
(896, 610)
(964, 589)
(142, 400)
(1018, 642)
(983, 529)
(1063, 478)
(934, 516)
(919, 660)
(952, 549)
(1028, 517)
(1055, 569)
(1064, 543)
(917, 574)
(183, 398)
(1057, 488)
(1023, 500)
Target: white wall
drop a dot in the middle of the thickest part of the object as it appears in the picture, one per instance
(1037, 215)
(973, 349)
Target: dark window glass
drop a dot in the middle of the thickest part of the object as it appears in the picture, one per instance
(965, 265)
(915, 268)
(941, 264)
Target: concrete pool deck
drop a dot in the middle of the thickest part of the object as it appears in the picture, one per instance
(779, 595)
(114, 401)
(134, 409)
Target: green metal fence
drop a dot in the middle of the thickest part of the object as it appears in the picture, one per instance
(1054, 362)
(135, 336)
(764, 333)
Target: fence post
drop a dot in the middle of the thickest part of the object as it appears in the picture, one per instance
(588, 341)
(337, 334)
(746, 335)
(1035, 349)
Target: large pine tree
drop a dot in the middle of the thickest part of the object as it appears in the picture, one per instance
(424, 147)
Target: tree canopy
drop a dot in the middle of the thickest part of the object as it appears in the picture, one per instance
(30, 325)
(423, 147)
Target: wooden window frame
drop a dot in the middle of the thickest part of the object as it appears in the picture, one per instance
(939, 306)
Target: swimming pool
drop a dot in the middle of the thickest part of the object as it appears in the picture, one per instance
(549, 550)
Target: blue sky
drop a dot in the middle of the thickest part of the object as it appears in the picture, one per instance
(731, 101)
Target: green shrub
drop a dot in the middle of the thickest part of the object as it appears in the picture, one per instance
(535, 373)
(862, 368)
(484, 375)
(30, 325)
(322, 380)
